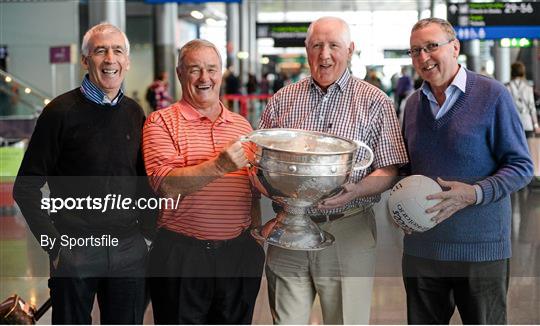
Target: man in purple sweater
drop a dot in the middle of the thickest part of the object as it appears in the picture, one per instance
(461, 129)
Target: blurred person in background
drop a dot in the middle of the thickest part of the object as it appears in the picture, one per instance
(373, 79)
(264, 84)
(523, 96)
(403, 88)
(158, 92)
(279, 81)
(252, 84)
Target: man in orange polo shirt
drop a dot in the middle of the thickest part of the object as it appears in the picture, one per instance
(205, 267)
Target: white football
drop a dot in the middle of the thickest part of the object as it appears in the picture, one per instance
(407, 202)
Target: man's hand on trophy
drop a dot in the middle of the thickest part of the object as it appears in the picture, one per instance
(346, 194)
(232, 157)
(269, 226)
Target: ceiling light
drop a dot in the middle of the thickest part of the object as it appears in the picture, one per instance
(197, 14)
(242, 55)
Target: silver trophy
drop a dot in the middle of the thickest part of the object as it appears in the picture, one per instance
(297, 169)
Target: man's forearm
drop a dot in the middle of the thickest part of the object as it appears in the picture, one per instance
(377, 182)
(255, 212)
(187, 180)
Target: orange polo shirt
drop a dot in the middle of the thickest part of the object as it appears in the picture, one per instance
(180, 136)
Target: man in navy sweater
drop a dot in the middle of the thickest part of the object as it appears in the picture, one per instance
(461, 129)
(87, 145)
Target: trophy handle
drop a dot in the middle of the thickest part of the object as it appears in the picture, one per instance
(360, 166)
(244, 139)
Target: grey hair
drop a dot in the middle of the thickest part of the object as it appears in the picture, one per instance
(346, 29)
(101, 28)
(195, 45)
(444, 24)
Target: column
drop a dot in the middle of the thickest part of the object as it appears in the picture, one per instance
(111, 11)
(502, 63)
(472, 50)
(165, 17)
(253, 53)
(535, 64)
(244, 43)
(233, 36)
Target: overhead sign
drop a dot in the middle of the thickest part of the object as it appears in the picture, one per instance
(60, 54)
(497, 32)
(495, 20)
(285, 35)
(484, 14)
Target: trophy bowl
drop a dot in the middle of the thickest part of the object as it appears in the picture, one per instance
(297, 169)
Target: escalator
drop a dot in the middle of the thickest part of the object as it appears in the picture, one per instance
(20, 105)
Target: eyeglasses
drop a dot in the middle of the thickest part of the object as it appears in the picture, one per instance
(430, 47)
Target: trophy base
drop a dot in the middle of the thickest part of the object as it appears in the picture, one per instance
(328, 240)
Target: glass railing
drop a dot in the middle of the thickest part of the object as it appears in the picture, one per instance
(20, 105)
(20, 99)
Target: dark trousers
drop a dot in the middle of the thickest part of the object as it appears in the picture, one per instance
(435, 288)
(204, 282)
(114, 274)
(120, 300)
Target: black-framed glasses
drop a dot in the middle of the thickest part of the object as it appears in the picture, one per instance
(430, 47)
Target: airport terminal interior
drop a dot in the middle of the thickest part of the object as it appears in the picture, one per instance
(261, 43)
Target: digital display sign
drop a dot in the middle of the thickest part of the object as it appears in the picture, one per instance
(495, 20)
(284, 34)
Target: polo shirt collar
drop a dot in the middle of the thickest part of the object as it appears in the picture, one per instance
(190, 113)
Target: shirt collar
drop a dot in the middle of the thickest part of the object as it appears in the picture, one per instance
(190, 113)
(460, 81)
(96, 95)
(341, 82)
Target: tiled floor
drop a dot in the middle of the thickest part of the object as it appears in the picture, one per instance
(20, 255)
